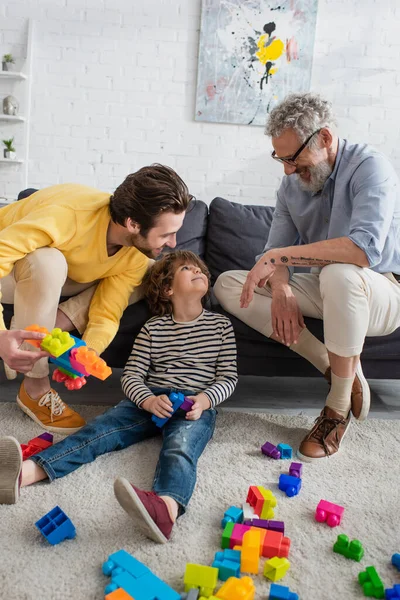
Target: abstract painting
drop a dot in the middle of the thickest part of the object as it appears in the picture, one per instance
(252, 54)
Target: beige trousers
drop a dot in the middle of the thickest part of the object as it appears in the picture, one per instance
(35, 285)
(353, 303)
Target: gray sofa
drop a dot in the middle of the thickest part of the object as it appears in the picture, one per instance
(228, 235)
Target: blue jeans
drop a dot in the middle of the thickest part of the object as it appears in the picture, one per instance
(125, 425)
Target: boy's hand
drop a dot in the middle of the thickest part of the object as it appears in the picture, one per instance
(161, 406)
(201, 402)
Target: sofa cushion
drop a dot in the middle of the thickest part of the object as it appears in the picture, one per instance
(236, 234)
(192, 234)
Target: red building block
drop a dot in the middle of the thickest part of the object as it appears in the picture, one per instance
(255, 499)
(275, 544)
(36, 445)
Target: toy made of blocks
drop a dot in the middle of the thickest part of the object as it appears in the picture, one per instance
(353, 549)
(266, 524)
(371, 583)
(237, 589)
(329, 512)
(201, 577)
(135, 578)
(178, 400)
(275, 568)
(228, 564)
(290, 485)
(296, 469)
(248, 512)
(285, 450)
(118, 594)
(280, 592)
(393, 593)
(272, 543)
(396, 561)
(250, 553)
(262, 500)
(270, 450)
(232, 515)
(55, 526)
(37, 444)
(71, 381)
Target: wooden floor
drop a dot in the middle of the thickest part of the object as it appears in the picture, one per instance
(259, 394)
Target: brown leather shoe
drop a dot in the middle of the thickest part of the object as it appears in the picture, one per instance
(360, 394)
(325, 437)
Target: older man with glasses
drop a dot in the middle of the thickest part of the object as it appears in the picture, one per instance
(338, 212)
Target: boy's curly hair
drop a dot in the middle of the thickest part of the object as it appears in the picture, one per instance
(161, 275)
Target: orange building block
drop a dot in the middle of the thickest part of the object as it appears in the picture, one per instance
(250, 552)
(118, 594)
(237, 589)
(275, 544)
(37, 329)
(93, 364)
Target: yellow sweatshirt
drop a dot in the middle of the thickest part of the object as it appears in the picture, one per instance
(74, 219)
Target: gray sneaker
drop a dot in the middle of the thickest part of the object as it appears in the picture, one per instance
(10, 470)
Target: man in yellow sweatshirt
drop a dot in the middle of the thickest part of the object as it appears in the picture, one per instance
(73, 240)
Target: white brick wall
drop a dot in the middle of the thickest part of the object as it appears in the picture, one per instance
(114, 89)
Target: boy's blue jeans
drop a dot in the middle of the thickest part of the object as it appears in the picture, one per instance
(125, 425)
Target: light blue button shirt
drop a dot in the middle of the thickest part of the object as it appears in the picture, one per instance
(360, 200)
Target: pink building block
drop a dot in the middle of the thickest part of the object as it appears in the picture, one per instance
(237, 534)
(329, 512)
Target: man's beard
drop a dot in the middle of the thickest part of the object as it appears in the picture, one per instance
(318, 176)
(139, 242)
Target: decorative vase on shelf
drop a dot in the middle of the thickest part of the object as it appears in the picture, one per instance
(10, 106)
(9, 154)
(5, 66)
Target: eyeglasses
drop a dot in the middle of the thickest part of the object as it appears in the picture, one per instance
(291, 160)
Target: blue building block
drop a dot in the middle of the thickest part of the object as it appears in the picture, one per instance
(290, 485)
(232, 515)
(394, 593)
(280, 592)
(285, 450)
(55, 526)
(228, 564)
(135, 578)
(177, 399)
(63, 360)
(396, 561)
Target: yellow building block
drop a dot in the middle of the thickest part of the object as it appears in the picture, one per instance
(275, 568)
(237, 589)
(269, 503)
(250, 554)
(57, 342)
(201, 577)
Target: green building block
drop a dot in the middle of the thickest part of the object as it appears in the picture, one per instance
(371, 583)
(57, 342)
(201, 577)
(226, 535)
(69, 373)
(353, 549)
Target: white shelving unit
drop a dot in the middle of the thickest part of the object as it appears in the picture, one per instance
(24, 95)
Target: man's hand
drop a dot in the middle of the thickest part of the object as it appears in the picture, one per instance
(201, 402)
(161, 406)
(19, 360)
(258, 276)
(287, 320)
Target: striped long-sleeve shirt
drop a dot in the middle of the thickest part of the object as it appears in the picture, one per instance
(198, 355)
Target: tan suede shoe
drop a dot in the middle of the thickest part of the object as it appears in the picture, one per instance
(50, 412)
(325, 437)
(360, 394)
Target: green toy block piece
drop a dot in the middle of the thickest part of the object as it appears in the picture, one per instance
(353, 549)
(371, 583)
(201, 577)
(226, 535)
(66, 372)
(57, 342)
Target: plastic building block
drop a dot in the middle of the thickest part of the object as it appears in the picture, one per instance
(296, 469)
(275, 544)
(71, 381)
(280, 592)
(192, 594)
(353, 549)
(265, 524)
(270, 450)
(37, 444)
(93, 364)
(37, 329)
(178, 400)
(228, 564)
(237, 589)
(201, 577)
(187, 404)
(55, 526)
(275, 568)
(285, 450)
(57, 342)
(226, 535)
(248, 512)
(290, 485)
(371, 583)
(262, 500)
(250, 555)
(118, 594)
(329, 512)
(396, 561)
(123, 560)
(393, 593)
(232, 515)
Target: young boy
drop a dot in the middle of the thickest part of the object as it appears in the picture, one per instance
(184, 348)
